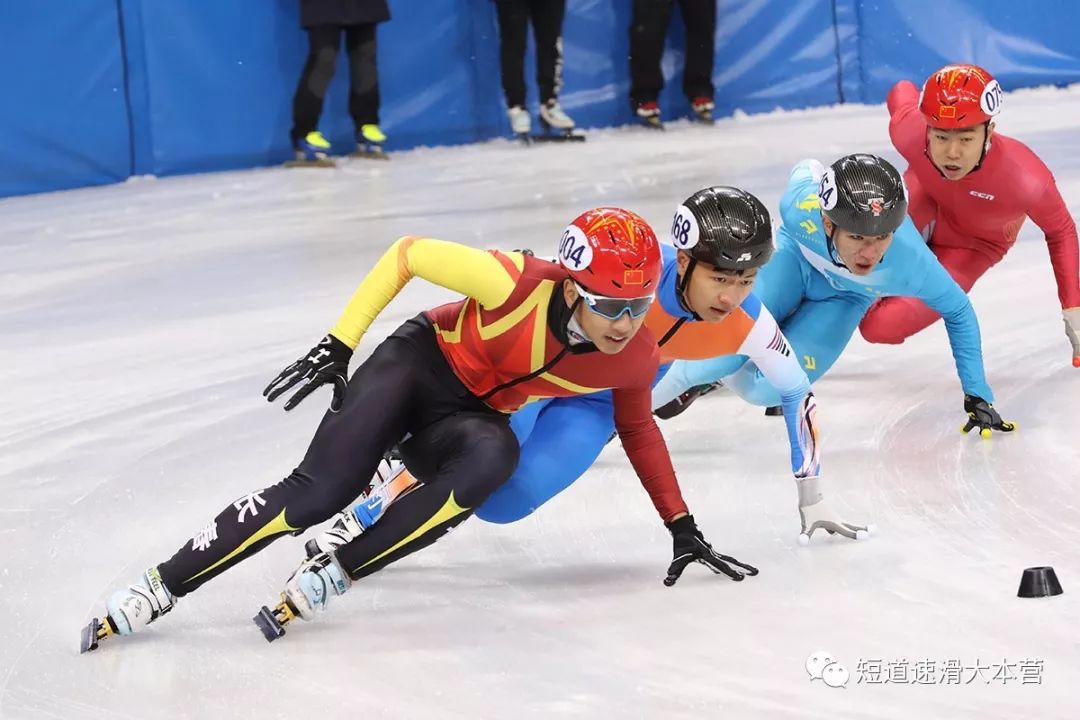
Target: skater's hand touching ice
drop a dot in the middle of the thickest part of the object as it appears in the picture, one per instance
(690, 546)
(1072, 330)
(816, 514)
(982, 415)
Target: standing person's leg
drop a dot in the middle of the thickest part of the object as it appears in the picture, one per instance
(547, 22)
(513, 18)
(700, 19)
(360, 41)
(323, 42)
(648, 28)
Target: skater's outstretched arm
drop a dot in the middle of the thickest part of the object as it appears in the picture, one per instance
(489, 277)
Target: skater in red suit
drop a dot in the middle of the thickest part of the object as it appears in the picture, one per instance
(969, 191)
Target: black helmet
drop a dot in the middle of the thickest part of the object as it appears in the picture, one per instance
(725, 227)
(863, 194)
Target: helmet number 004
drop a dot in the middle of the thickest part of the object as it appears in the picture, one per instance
(574, 249)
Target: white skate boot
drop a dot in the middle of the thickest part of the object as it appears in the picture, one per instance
(553, 117)
(307, 592)
(130, 610)
(314, 583)
(520, 121)
(557, 124)
(142, 603)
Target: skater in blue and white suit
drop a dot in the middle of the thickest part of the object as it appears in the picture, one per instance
(845, 241)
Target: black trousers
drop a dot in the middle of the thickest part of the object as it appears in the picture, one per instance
(461, 450)
(547, 20)
(323, 44)
(648, 29)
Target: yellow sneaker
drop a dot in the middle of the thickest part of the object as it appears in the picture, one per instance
(372, 134)
(317, 141)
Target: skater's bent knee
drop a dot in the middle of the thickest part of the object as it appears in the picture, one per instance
(882, 333)
(507, 506)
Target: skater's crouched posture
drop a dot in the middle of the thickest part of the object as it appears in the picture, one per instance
(447, 378)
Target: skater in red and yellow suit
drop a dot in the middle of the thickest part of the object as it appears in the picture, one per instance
(527, 329)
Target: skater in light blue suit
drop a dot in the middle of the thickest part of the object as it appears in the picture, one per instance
(844, 241)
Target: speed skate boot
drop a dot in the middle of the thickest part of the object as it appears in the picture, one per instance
(130, 610)
(556, 122)
(520, 122)
(703, 110)
(649, 115)
(307, 592)
(681, 403)
(369, 142)
(312, 150)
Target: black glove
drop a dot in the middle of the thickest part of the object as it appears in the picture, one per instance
(328, 362)
(982, 415)
(690, 546)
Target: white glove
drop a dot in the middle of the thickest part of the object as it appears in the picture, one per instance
(816, 514)
(1072, 330)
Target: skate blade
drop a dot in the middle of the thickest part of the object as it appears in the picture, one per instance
(318, 162)
(268, 624)
(568, 137)
(272, 622)
(370, 155)
(94, 632)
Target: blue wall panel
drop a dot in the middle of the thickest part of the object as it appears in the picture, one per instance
(98, 90)
(1023, 44)
(63, 120)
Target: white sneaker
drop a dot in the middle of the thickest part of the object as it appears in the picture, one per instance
(143, 602)
(520, 120)
(314, 583)
(553, 116)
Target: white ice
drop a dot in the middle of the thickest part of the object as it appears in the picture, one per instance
(141, 321)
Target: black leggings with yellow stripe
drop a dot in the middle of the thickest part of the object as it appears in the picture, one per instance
(460, 448)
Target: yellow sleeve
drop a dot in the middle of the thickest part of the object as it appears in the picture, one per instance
(475, 273)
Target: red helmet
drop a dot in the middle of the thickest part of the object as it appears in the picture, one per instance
(612, 252)
(960, 96)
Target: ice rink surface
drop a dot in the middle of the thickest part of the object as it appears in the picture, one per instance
(141, 321)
